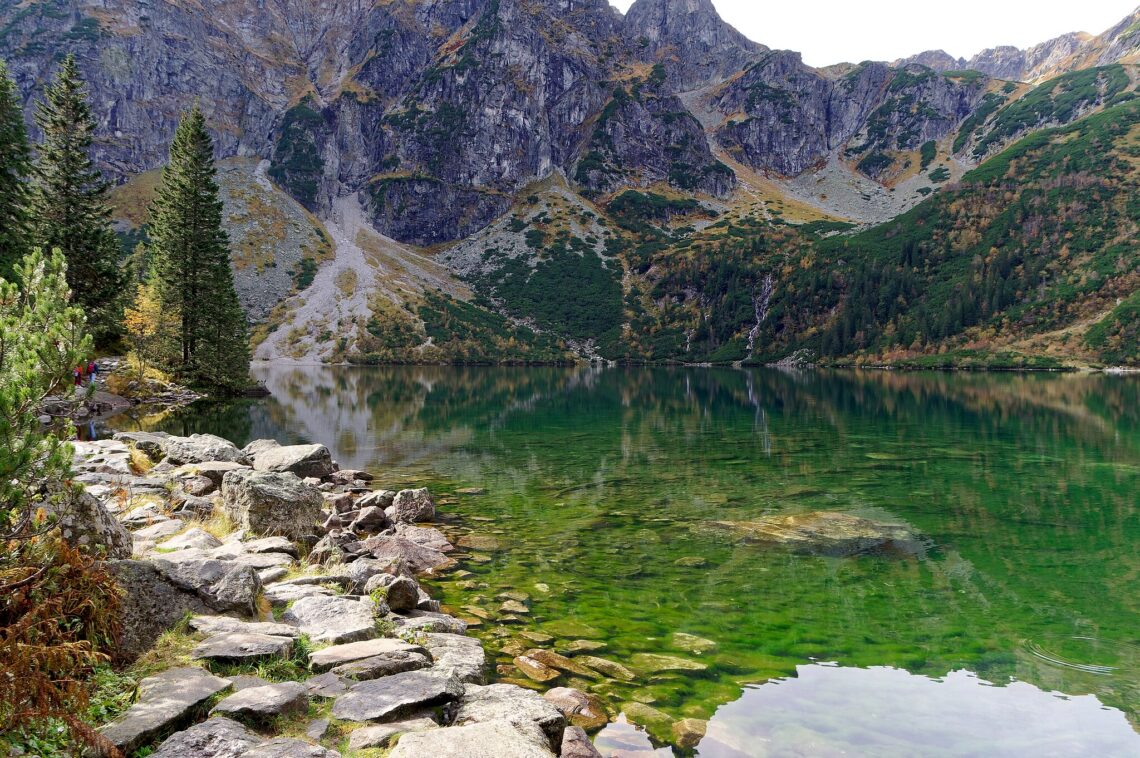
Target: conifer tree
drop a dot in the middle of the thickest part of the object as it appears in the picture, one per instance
(69, 204)
(15, 163)
(190, 253)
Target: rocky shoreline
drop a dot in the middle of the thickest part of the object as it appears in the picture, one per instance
(287, 589)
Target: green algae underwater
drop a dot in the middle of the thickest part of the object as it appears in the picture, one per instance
(1013, 630)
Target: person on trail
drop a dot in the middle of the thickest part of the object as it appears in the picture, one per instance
(92, 370)
(78, 376)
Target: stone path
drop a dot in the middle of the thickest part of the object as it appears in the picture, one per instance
(377, 678)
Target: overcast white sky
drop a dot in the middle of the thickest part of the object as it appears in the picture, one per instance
(833, 31)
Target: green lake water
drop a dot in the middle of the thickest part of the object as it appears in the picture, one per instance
(1015, 630)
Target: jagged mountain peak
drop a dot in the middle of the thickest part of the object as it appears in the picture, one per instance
(696, 45)
(1068, 52)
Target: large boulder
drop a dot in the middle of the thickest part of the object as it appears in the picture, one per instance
(268, 503)
(201, 448)
(224, 586)
(151, 605)
(261, 704)
(84, 523)
(411, 506)
(302, 460)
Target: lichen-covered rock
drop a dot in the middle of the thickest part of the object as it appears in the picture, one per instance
(84, 523)
(151, 604)
(271, 504)
(201, 448)
(224, 586)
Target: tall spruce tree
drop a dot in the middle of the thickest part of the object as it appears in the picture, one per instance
(15, 163)
(190, 251)
(69, 204)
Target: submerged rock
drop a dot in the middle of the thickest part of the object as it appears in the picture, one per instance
(821, 533)
(652, 663)
(580, 708)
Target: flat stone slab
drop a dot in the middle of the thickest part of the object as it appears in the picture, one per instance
(164, 701)
(160, 530)
(334, 619)
(287, 747)
(428, 621)
(327, 685)
(271, 545)
(225, 624)
(458, 656)
(381, 735)
(508, 702)
(323, 660)
(262, 703)
(191, 538)
(282, 593)
(493, 739)
(214, 738)
(395, 696)
(385, 664)
(238, 647)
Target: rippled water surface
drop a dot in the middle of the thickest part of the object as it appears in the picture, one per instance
(1014, 631)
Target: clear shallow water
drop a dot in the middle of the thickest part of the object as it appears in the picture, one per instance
(1016, 632)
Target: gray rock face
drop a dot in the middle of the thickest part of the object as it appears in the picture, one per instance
(271, 504)
(242, 647)
(191, 538)
(336, 655)
(511, 703)
(457, 655)
(165, 700)
(334, 619)
(412, 506)
(403, 594)
(645, 136)
(214, 738)
(302, 460)
(394, 696)
(689, 37)
(263, 703)
(151, 604)
(492, 739)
